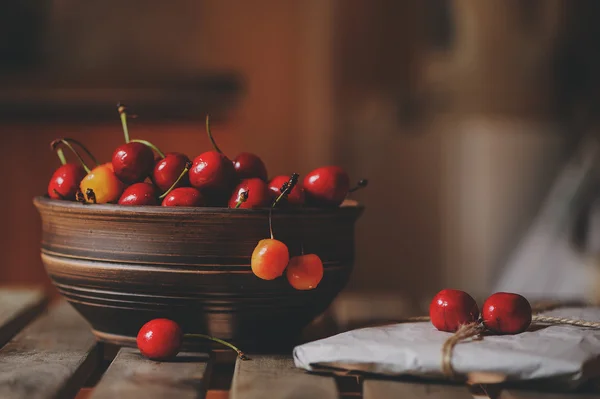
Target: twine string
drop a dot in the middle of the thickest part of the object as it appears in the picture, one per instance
(464, 332)
(475, 330)
(564, 320)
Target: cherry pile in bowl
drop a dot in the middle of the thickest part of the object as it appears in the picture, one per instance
(140, 174)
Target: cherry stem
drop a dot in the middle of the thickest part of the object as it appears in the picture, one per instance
(61, 156)
(243, 197)
(362, 183)
(210, 136)
(123, 114)
(188, 166)
(286, 188)
(241, 354)
(271, 223)
(67, 143)
(149, 144)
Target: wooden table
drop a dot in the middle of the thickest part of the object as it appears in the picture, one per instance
(48, 351)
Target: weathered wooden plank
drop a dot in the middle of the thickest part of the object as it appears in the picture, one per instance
(522, 394)
(17, 308)
(384, 389)
(132, 376)
(50, 358)
(267, 376)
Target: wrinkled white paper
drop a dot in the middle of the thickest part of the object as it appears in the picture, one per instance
(565, 352)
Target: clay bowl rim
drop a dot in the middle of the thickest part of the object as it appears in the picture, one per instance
(44, 201)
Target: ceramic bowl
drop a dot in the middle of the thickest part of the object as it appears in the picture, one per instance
(121, 266)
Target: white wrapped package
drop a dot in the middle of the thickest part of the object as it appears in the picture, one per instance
(567, 353)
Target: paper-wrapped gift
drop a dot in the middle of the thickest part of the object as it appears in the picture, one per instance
(565, 353)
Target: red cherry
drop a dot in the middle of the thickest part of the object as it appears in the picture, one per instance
(184, 196)
(305, 272)
(64, 182)
(212, 172)
(160, 339)
(167, 170)
(249, 165)
(139, 194)
(450, 309)
(296, 197)
(133, 162)
(506, 313)
(326, 186)
(258, 194)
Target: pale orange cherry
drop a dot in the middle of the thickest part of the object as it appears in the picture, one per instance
(270, 256)
(305, 272)
(269, 259)
(101, 185)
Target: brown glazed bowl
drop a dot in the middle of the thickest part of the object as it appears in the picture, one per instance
(121, 266)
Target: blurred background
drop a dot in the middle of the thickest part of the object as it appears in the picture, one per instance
(475, 121)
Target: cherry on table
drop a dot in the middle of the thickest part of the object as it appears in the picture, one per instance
(139, 194)
(184, 196)
(295, 197)
(326, 186)
(248, 165)
(257, 193)
(269, 259)
(305, 272)
(450, 308)
(167, 170)
(160, 339)
(506, 313)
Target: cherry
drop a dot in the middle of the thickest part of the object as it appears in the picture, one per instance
(305, 272)
(101, 185)
(451, 308)
(133, 161)
(167, 169)
(506, 313)
(269, 259)
(296, 197)
(139, 194)
(326, 186)
(248, 165)
(160, 339)
(64, 183)
(257, 192)
(270, 256)
(184, 196)
(212, 171)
